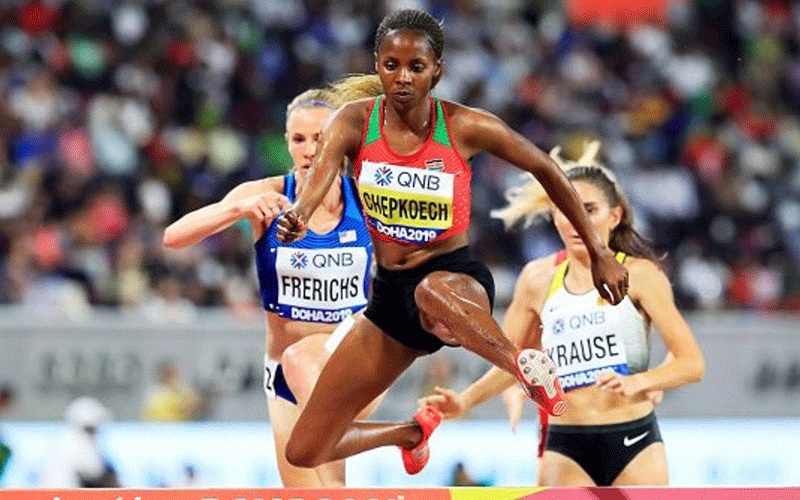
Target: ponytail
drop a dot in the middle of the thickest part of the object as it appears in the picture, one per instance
(530, 201)
(526, 202)
(354, 87)
(350, 88)
(624, 238)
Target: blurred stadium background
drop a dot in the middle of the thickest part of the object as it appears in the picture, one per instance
(118, 117)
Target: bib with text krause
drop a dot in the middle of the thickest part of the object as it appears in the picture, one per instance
(321, 285)
(410, 204)
(581, 344)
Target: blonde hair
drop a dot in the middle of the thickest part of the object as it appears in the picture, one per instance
(355, 87)
(348, 89)
(529, 200)
(314, 98)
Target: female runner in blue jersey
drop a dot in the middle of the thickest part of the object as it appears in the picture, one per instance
(409, 151)
(610, 436)
(307, 288)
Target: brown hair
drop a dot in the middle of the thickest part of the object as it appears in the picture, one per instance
(623, 238)
(529, 200)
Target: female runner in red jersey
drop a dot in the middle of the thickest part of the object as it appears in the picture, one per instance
(409, 153)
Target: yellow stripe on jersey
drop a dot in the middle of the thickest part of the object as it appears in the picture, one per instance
(561, 273)
(558, 278)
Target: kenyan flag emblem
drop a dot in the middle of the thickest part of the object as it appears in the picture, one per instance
(436, 164)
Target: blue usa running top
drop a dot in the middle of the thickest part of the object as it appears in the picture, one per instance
(322, 278)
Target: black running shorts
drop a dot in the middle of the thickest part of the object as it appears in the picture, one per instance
(392, 307)
(603, 450)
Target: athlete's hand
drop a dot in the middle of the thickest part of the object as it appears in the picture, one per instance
(610, 277)
(292, 226)
(447, 401)
(514, 398)
(624, 385)
(262, 208)
(655, 396)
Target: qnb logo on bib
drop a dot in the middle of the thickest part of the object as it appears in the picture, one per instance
(383, 176)
(579, 321)
(328, 284)
(299, 260)
(409, 204)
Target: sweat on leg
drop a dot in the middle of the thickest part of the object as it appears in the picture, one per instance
(455, 307)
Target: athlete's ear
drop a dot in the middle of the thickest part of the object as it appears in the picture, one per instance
(616, 216)
(437, 71)
(376, 60)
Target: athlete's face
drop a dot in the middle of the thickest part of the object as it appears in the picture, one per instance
(603, 217)
(303, 131)
(407, 67)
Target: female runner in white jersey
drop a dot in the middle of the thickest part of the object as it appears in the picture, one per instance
(306, 290)
(608, 435)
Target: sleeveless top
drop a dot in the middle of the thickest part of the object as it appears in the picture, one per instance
(322, 278)
(418, 198)
(584, 335)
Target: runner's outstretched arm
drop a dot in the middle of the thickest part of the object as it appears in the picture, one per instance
(340, 137)
(486, 132)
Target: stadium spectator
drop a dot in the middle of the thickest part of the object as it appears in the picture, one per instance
(77, 459)
(116, 119)
(172, 399)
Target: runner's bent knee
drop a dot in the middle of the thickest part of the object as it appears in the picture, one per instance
(430, 293)
(304, 451)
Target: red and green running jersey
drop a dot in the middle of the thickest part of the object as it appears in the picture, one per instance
(418, 198)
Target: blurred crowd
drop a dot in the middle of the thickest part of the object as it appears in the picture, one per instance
(119, 117)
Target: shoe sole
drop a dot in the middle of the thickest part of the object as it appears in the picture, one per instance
(538, 372)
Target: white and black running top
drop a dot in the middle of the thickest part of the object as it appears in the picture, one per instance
(585, 335)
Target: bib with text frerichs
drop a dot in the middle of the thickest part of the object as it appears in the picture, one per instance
(322, 285)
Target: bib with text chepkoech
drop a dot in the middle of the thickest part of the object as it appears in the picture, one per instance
(409, 204)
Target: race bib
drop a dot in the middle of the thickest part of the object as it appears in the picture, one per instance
(409, 204)
(582, 346)
(322, 285)
(270, 372)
